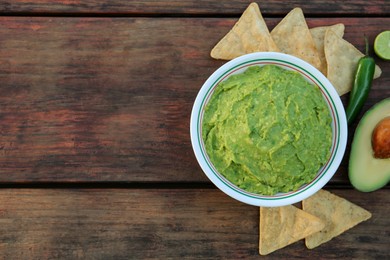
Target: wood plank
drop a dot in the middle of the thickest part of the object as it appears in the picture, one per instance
(109, 99)
(174, 224)
(192, 7)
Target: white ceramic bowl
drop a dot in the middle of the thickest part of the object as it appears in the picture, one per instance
(336, 109)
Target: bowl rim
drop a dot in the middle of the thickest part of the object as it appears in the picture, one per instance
(339, 127)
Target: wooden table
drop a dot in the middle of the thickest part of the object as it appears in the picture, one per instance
(95, 154)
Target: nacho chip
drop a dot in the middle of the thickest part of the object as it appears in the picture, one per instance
(342, 59)
(249, 34)
(338, 213)
(282, 226)
(318, 34)
(292, 36)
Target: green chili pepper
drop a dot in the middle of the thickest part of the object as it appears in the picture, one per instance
(361, 86)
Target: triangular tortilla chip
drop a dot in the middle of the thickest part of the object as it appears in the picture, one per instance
(292, 36)
(282, 226)
(249, 34)
(342, 59)
(318, 34)
(338, 213)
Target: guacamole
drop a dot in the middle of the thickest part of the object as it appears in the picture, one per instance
(267, 130)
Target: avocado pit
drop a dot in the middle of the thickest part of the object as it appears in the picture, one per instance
(381, 139)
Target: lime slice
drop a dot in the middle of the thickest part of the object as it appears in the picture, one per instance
(382, 45)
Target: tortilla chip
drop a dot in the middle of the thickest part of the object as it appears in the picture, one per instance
(292, 36)
(318, 34)
(338, 213)
(282, 226)
(342, 59)
(249, 34)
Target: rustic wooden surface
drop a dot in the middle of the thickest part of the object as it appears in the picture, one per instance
(191, 7)
(162, 224)
(95, 154)
(109, 99)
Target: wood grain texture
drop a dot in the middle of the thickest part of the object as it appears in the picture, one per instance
(194, 7)
(88, 102)
(109, 99)
(161, 224)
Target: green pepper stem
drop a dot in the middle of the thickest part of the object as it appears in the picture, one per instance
(366, 41)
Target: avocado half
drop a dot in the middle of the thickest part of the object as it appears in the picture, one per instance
(366, 172)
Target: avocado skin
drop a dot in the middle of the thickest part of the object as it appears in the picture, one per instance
(367, 173)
